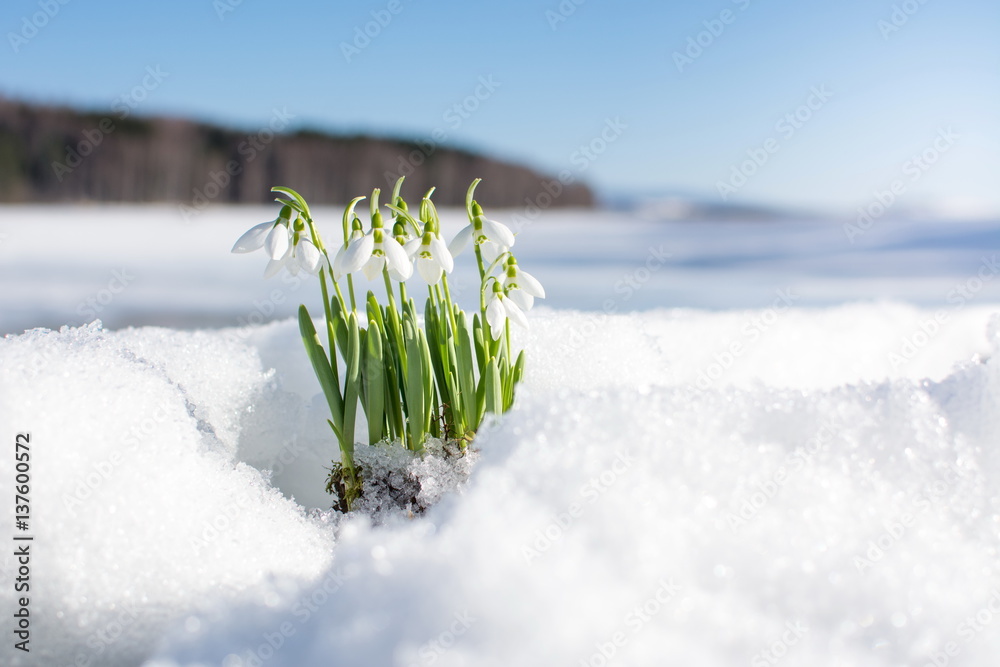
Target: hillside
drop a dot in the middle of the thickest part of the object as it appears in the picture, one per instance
(50, 154)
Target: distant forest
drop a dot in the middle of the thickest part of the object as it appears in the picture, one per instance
(50, 154)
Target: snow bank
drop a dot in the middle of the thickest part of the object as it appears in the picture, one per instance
(141, 511)
(817, 503)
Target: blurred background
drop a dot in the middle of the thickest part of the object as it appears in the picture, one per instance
(718, 128)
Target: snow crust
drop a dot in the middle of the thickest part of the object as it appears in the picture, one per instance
(820, 502)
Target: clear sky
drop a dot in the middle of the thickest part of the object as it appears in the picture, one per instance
(684, 93)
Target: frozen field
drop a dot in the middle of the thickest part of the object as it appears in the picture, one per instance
(736, 444)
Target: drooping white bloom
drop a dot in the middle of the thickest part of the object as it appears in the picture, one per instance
(399, 232)
(301, 253)
(377, 250)
(482, 230)
(287, 245)
(520, 286)
(357, 235)
(432, 255)
(274, 236)
(500, 308)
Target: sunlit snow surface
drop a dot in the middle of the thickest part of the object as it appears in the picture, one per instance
(747, 485)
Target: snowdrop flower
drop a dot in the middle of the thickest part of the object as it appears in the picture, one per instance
(432, 256)
(481, 230)
(273, 236)
(357, 234)
(399, 233)
(374, 251)
(500, 308)
(520, 286)
(301, 253)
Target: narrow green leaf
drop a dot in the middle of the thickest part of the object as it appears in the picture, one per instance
(373, 372)
(303, 206)
(493, 393)
(321, 367)
(465, 372)
(352, 385)
(415, 413)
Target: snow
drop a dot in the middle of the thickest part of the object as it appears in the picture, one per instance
(800, 468)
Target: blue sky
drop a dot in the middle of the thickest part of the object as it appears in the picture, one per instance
(892, 79)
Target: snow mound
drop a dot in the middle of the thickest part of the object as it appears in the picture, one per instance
(854, 526)
(818, 503)
(140, 511)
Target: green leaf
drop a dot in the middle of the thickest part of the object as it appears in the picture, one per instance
(339, 325)
(373, 372)
(352, 386)
(470, 195)
(303, 207)
(493, 393)
(416, 409)
(396, 189)
(477, 338)
(321, 367)
(465, 371)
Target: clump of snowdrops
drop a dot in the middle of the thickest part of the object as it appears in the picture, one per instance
(412, 380)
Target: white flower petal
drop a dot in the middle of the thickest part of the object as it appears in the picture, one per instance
(498, 232)
(277, 242)
(496, 315)
(461, 240)
(308, 255)
(373, 267)
(440, 252)
(358, 252)
(338, 261)
(273, 266)
(515, 313)
(521, 298)
(253, 238)
(529, 284)
(429, 270)
(412, 246)
(397, 259)
(491, 251)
